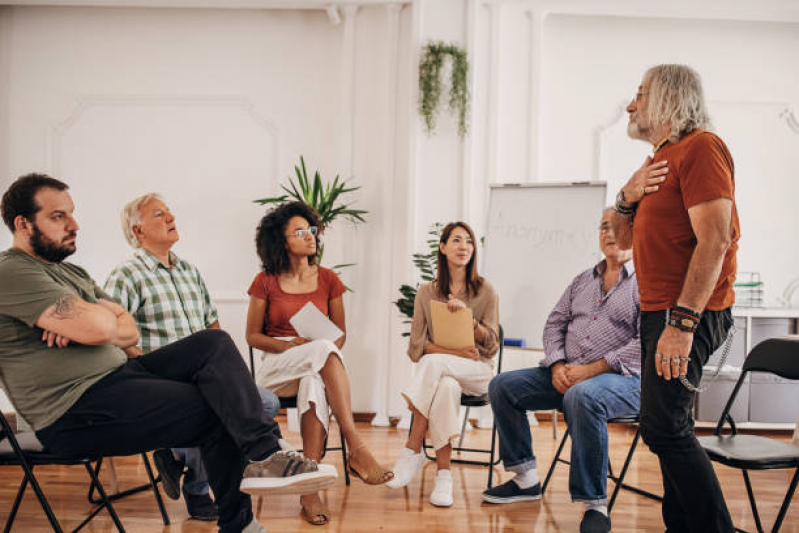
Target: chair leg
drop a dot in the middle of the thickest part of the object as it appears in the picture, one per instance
(752, 503)
(463, 428)
(786, 502)
(37, 489)
(491, 456)
(20, 493)
(620, 480)
(344, 456)
(154, 485)
(104, 497)
(555, 460)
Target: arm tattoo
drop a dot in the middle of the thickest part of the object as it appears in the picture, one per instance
(66, 307)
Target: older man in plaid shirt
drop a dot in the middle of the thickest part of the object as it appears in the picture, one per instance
(591, 371)
(169, 301)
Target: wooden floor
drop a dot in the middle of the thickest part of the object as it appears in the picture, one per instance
(360, 508)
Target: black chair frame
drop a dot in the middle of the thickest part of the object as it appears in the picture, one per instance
(27, 460)
(774, 356)
(470, 401)
(290, 402)
(617, 480)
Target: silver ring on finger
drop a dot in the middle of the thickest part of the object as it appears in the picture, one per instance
(643, 191)
(675, 360)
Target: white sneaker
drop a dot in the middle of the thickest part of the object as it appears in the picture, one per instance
(286, 472)
(442, 493)
(254, 527)
(405, 469)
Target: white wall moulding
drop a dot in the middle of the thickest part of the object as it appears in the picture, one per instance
(742, 10)
(210, 156)
(212, 4)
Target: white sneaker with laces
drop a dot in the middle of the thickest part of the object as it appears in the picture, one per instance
(442, 493)
(405, 469)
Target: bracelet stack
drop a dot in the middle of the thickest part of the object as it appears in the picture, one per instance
(622, 207)
(683, 318)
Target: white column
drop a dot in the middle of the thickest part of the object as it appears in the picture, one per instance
(536, 48)
(467, 154)
(347, 84)
(492, 129)
(390, 260)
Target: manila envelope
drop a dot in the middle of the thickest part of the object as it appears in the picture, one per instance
(451, 330)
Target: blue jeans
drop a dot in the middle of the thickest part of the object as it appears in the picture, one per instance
(196, 480)
(586, 406)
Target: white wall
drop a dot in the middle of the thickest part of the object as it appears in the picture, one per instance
(214, 106)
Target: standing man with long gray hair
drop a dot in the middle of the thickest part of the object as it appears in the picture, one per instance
(678, 213)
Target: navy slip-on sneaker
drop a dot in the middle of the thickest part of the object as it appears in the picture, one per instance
(510, 492)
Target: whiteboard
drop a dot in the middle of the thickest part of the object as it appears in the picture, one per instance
(540, 236)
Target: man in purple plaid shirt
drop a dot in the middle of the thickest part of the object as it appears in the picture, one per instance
(590, 372)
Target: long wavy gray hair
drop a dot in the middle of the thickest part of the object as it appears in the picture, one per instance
(676, 98)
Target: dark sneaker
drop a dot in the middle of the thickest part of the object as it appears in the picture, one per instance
(287, 472)
(510, 492)
(594, 522)
(170, 469)
(201, 506)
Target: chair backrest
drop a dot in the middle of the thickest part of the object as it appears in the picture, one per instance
(776, 356)
(501, 349)
(779, 356)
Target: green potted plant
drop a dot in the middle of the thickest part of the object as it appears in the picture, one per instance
(326, 198)
(426, 263)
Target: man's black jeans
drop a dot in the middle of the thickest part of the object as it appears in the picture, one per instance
(692, 497)
(196, 391)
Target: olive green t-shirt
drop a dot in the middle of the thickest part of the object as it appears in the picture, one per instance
(43, 383)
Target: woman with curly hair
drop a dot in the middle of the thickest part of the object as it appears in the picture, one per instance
(287, 243)
(442, 374)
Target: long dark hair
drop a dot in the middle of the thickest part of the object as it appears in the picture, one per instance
(270, 241)
(473, 280)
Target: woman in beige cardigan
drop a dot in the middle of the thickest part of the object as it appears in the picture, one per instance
(442, 373)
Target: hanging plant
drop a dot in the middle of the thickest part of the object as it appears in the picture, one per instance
(430, 65)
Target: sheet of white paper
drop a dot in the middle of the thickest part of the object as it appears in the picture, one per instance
(312, 324)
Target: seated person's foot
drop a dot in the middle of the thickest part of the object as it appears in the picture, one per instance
(594, 522)
(314, 510)
(363, 465)
(405, 469)
(287, 472)
(442, 493)
(510, 492)
(253, 527)
(170, 469)
(201, 506)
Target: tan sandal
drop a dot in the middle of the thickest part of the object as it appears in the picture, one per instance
(371, 474)
(317, 515)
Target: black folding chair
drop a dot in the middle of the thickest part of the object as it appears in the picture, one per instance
(617, 480)
(752, 452)
(26, 451)
(469, 401)
(290, 402)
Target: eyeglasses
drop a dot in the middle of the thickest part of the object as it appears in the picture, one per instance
(301, 233)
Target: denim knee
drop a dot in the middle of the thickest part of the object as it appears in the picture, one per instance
(270, 401)
(581, 398)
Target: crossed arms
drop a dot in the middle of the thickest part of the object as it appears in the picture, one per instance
(71, 318)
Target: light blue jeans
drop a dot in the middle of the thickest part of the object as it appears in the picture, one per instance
(586, 406)
(196, 480)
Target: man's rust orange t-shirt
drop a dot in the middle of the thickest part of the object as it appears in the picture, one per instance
(700, 170)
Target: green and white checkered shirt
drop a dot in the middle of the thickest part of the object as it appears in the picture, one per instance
(168, 304)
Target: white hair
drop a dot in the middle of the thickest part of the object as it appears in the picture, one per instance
(131, 216)
(676, 99)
